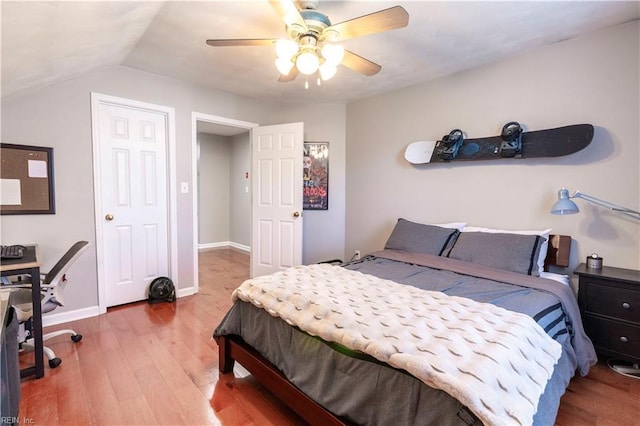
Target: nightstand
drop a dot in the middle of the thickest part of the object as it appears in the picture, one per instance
(609, 300)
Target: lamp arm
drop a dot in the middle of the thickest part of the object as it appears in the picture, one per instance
(602, 203)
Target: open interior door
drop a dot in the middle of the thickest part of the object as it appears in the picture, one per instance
(276, 237)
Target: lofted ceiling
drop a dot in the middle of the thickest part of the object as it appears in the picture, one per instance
(48, 42)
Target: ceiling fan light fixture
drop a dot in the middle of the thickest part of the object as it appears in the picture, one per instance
(327, 70)
(307, 62)
(284, 65)
(312, 39)
(286, 48)
(333, 53)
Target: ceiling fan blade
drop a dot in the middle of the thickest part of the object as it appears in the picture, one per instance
(360, 64)
(289, 14)
(377, 22)
(289, 77)
(241, 42)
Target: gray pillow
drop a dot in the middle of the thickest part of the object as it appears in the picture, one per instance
(510, 252)
(420, 238)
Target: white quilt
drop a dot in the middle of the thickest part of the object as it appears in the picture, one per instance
(494, 361)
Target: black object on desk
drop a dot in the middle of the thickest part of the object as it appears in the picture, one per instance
(29, 265)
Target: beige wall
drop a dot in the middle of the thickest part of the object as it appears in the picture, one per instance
(323, 229)
(224, 197)
(592, 79)
(59, 116)
(214, 190)
(240, 220)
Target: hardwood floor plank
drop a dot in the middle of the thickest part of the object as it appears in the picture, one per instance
(37, 405)
(119, 372)
(160, 396)
(142, 364)
(135, 356)
(73, 406)
(137, 411)
(257, 401)
(201, 373)
(102, 397)
(570, 415)
(170, 370)
(195, 406)
(593, 396)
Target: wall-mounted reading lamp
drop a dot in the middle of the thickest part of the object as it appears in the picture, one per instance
(564, 205)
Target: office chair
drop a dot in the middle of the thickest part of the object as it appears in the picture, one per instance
(52, 288)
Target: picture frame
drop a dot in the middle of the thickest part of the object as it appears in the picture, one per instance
(26, 180)
(316, 176)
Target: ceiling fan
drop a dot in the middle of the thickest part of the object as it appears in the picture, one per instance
(311, 46)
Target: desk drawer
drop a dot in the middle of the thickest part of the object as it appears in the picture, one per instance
(613, 302)
(613, 336)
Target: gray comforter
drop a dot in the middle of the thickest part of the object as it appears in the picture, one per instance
(366, 391)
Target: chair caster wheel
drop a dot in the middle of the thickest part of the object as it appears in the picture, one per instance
(76, 338)
(53, 363)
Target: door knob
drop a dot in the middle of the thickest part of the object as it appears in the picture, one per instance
(297, 214)
(109, 216)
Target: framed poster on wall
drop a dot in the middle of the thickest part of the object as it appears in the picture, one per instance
(315, 176)
(26, 180)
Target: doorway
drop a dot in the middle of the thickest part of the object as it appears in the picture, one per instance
(217, 138)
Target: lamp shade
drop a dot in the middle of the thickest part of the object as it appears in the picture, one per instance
(284, 65)
(327, 71)
(333, 54)
(308, 62)
(564, 205)
(286, 48)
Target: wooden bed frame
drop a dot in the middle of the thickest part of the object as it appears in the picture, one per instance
(232, 348)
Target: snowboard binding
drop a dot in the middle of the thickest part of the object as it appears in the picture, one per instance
(511, 145)
(448, 147)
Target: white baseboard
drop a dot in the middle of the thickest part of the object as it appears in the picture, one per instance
(223, 244)
(54, 318)
(78, 314)
(62, 317)
(182, 292)
(240, 247)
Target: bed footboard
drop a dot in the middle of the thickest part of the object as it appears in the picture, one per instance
(232, 348)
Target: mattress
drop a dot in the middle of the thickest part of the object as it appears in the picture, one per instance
(359, 388)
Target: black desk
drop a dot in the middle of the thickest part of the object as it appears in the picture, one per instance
(30, 265)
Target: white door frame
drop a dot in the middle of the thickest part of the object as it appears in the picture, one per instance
(96, 100)
(195, 117)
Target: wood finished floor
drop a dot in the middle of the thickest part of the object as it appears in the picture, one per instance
(157, 364)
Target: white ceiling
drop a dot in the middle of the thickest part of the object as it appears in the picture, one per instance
(48, 42)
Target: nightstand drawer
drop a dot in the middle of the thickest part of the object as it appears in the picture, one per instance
(613, 336)
(613, 302)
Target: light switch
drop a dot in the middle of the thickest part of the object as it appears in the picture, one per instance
(184, 187)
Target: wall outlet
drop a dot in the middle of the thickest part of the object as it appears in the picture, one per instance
(356, 255)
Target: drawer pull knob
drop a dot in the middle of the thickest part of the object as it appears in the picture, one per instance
(626, 305)
(623, 339)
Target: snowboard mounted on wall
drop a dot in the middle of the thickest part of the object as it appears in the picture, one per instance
(511, 143)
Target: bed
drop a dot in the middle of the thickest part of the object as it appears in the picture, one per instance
(447, 325)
